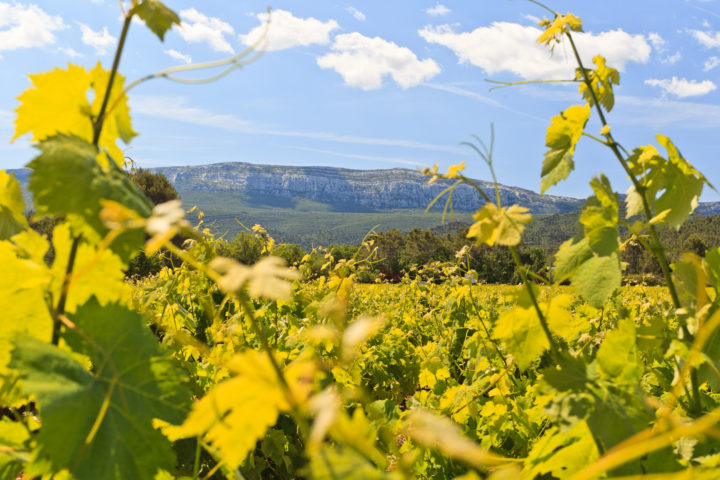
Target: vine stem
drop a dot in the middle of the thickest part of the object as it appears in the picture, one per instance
(59, 311)
(533, 299)
(658, 249)
(98, 123)
(655, 244)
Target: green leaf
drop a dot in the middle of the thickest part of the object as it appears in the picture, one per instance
(67, 181)
(561, 454)
(520, 331)
(329, 463)
(617, 356)
(12, 207)
(99, 424)
(570, 256)
(157, 16)
(599, 218)
(562, 136)
(598, 278)
(13, 452)
(678, 184)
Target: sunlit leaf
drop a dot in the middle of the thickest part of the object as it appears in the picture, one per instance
(110, 434)
(158, 17)
(502, 226)
(12, 206)
(562, 136)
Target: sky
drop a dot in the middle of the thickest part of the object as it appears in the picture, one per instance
(376, 84)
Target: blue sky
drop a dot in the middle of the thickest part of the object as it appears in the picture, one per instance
(377, 84)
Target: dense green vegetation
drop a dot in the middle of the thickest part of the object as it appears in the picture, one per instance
(231, 364)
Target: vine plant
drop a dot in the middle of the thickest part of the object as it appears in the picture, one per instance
(178, 378)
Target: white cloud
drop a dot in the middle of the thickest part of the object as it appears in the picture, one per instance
(709, 39)
(100, 41)
(657, 41)
(196, 27)
(70, 52)
(179, 56)
(363, 62)
(711, 63)
(681, 87)
(288, 31)
(672, 59)
(176, 109)
(356, 13)
(512, 47)
(26, 26)
(438, 10)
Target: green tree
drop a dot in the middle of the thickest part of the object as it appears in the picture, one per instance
(155, 186)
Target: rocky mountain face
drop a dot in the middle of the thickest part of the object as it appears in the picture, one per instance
(353, 189)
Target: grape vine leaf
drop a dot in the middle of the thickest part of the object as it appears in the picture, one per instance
(680, 183)
(57, 103)
(561, 137)
(593, 261)
(503, 226)
(561, 454)
(117, 122)
(67, 181)
(22, 296)
(12, 206)
(157, 16)
(237, 412)
(617, 356)
(96, 273)
(328, 463)
(13, 439)
(602, 80)
(520, 331)
(560, 25)
(112, 407)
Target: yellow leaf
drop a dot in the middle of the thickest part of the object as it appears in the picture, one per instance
(503, 226)
(561, 24)
(117, 123)
(58, 102)
(237, 412)
(95, 273)
(454, 169)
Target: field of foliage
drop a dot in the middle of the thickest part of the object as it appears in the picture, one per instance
(217, 369)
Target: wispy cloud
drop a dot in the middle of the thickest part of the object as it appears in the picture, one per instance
(356, 13)
(179, 56)
(99, 40)
(438, 10)
(682, 87)
(711, 63)
(176, 108)
(480, 98)
(662, 113)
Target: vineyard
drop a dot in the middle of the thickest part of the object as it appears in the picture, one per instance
(216, 369)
